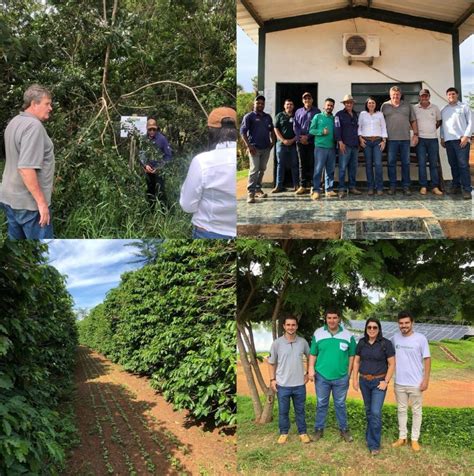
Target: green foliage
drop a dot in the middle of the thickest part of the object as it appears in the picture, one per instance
(64, 47)
(173, 320)
(37, 342)
(244, 105)
(311, 275)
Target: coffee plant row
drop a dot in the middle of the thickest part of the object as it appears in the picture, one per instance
(37, 344)
(174, 321)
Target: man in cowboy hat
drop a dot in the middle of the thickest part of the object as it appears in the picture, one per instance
(346, 132)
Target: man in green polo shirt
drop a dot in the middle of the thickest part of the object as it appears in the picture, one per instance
(330, 366)
(286, 147)
(322, 128)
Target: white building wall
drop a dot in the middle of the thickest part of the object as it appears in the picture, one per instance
(314, 54)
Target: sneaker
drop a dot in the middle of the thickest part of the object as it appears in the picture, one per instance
(251, 198)
(437, 191)
(315, 196)
(467, 195)
(415, 446)
(318, 434)
(331, 193)
(282, 439)
(342, 194)
(354, 191)
(304, 438)
(406, 191)
(374, 452)
(370, 192)
(423, 191)
(379, 193)
(308, 189)
(261, 194)
(278, 190)
(346, 436)
(399, 442)
(392, 191)
(300, 191)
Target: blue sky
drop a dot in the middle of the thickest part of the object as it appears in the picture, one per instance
(93, 267)
(247, 62)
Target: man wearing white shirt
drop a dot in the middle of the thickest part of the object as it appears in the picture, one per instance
(456, 133)
(428, 118)
(412, 376)
(209, 191)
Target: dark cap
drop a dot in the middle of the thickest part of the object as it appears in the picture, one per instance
(424, 91)
(217, 115)
(307, 94)
(260, 97)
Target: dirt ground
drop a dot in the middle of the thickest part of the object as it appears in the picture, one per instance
(440, 393)
(127, 429)
(242, 187)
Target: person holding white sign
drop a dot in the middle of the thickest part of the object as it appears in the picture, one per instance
(153, 157)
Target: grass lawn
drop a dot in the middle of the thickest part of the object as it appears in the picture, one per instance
(442, 367)
(259, 454)
(242, 174)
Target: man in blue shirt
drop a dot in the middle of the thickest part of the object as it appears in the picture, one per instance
(305, 142)
(153, 158)
(257, 133)
(346, 132)
(456, 130)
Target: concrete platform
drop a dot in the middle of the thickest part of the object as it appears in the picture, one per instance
(417, 216)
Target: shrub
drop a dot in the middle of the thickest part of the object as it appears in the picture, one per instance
(37, 342)
(174, 321)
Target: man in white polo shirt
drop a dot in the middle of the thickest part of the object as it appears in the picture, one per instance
(428, 118)
(412, 376)
(288, 379)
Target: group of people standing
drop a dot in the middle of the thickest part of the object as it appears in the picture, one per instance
(308, 140)
(333, 359)
(208, 191)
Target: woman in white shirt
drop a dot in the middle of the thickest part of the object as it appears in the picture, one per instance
(209, 191)
(373, 136)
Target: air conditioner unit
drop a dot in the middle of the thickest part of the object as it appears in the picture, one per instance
(360, 47)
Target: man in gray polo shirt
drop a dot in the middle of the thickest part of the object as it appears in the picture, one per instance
(25, 191)
(399, 116)
(288, 378)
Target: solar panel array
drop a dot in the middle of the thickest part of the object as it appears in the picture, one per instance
(433, 332)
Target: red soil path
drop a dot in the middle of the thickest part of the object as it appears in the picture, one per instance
(440, 393)
(126, 428)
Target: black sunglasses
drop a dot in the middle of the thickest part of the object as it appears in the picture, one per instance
(372, 327)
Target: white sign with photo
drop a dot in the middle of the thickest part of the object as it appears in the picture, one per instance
(130, 123)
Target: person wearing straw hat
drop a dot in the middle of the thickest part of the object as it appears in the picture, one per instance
(345, 130)
(209, 189)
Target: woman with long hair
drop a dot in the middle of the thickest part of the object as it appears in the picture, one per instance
(374, 364)
(372, 137)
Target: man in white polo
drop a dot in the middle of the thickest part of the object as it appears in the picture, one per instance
(288, 378)
(428, 119)
(412, 376)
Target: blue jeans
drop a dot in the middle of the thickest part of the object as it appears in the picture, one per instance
(298, 395)
(349, 161)
(210, 235)
(24, 224)
(373, 160)
(458, 158)
(373, 401)
(286, 158)
(324, 158)
(402, 147)
(339, 389)
(428, 148)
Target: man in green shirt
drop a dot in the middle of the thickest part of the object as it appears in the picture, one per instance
(322, 128)
(286, 147)
(330, 366)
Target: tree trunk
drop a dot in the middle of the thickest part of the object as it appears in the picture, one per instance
(257, 404)
(267, 413)
(247, 335)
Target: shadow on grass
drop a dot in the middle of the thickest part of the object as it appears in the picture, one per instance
(446, 445)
